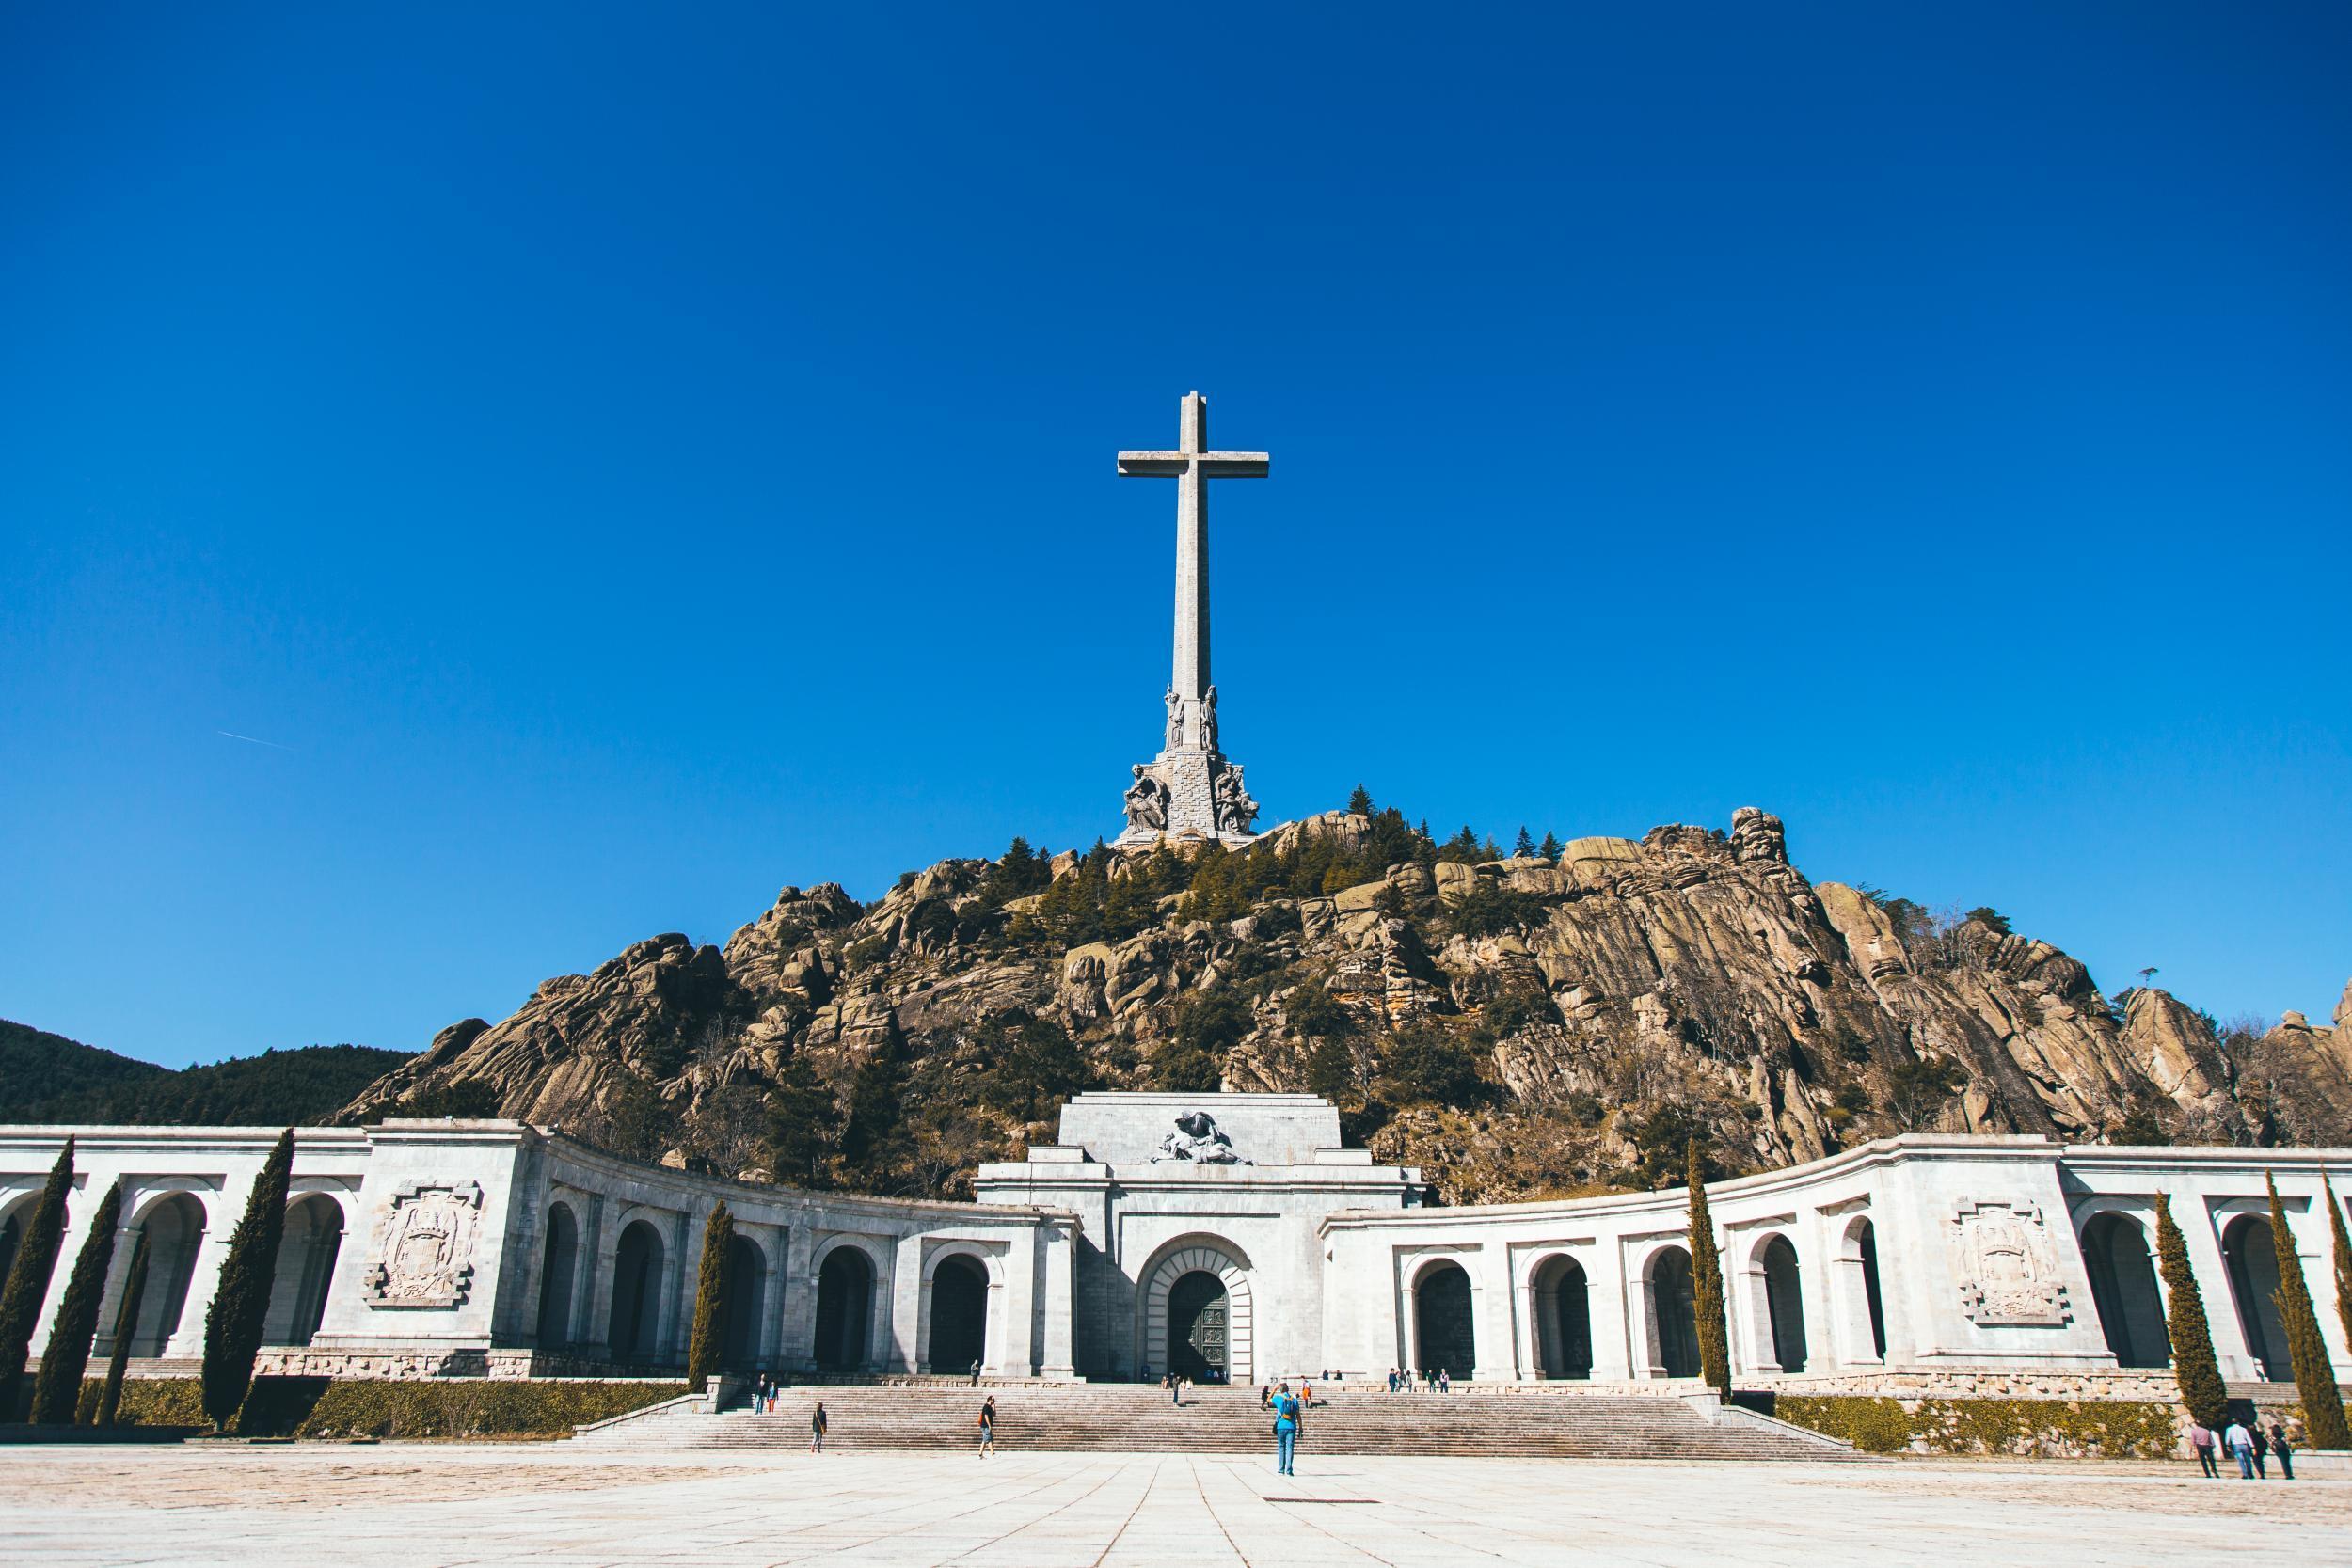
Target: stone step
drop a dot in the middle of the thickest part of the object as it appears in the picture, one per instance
(1126, 1418)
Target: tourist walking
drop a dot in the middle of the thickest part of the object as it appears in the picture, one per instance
(817, 1424)
(2284, 1449)
(975, 1371)
(1445, 1381)
(1286, 1419)
(2201, 1438)
(988, 1428)
(2240, 1442)
(2262, 1449)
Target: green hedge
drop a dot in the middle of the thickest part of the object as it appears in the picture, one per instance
(2092, 1428)
(356, 1407)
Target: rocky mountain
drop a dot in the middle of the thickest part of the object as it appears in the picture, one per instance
(1523, 1024)
(49, 1078)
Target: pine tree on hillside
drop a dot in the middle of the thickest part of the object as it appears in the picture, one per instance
(2194, 1368)
(1550, 847)
(2315, 1378)
(1707, 1282)
(28, 1278)
(126, 1326)
(2342, 1259)
(801, 1112)
(59, 1388)
(1523, 846)
(233, 1323)
(712, 1290)
(1359, 801)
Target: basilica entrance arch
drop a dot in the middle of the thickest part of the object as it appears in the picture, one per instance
(1196, 1314)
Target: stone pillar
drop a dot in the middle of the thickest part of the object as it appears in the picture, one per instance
(1014, 1280)
(1535, 1309)
(188, 1339)
(797, 1331)
(676, 1295)
(110, 1294)
(1407, 1322)
(767, 1337)
(1641, 1329)
(879, 1350)
(1060, 1304)
(591, 1303)
(1751, 1305)
(908, 1349)
(1490, 1313)
(2204, 1245)
(1607, 1288)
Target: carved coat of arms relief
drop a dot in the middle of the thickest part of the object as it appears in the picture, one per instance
(2008, 1273)
(424, 1252)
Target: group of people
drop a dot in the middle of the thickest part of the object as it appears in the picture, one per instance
(1437, 1382)
(2252, 1446)
(764, 1393)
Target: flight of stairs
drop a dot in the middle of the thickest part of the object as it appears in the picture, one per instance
(1129, 1419)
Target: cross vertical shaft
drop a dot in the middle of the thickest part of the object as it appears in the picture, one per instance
(1192, 676)
(1192, 464)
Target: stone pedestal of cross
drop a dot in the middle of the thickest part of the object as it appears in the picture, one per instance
(1190, 790)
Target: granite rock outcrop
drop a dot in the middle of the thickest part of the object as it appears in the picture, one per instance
(1605, 1001)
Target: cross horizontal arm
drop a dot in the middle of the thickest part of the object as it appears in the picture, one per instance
(1219, 465)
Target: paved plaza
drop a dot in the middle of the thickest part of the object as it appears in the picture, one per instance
(418, 1504)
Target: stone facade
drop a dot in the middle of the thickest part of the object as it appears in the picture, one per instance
(1233, 1232)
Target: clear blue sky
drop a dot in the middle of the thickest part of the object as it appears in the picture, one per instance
(622, 460)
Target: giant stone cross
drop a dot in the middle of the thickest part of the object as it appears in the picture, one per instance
(1190, 790)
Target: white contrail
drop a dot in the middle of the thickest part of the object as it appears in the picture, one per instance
(251, 740)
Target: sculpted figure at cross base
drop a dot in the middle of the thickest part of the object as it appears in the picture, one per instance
(1146, 802)
(1234, 809)
(1175, 719)
(1196, 1139)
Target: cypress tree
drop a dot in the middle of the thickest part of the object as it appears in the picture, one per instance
(2194, 1368)
(2342, 1258)
(59, 1388)
(711, 1290)
(1707, 1283)
(28, 1278)
(2315, 1379)
(126, 1326)
(232, 1324)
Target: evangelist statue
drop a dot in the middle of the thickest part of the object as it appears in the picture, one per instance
(1147, 801)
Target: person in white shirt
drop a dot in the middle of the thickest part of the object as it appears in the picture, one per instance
(2240, 1442)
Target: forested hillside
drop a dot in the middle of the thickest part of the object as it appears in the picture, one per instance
(46, 1077)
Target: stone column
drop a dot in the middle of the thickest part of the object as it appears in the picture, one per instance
(1010, 1349)
(1753, 1303)
(2197, 1235)
(1611, 1328)
(797, 1331)
(1490, 1312)
(908, 1349)
(676, 1295)
(188, 1339)
(591, 1301)
(1060, 1305)
(1408, 1320)
(1534, 1312)
(879, 1350)
(769, 1337)
(1641, 1329)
